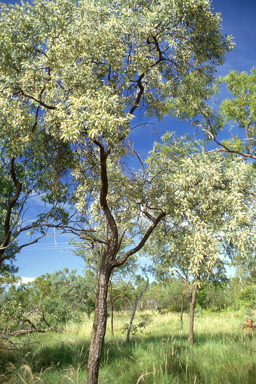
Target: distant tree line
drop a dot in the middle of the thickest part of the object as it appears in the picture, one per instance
(67, 296)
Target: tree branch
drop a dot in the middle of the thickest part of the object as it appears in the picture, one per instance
(121, 261)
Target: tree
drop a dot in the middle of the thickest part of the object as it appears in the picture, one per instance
(38, 306)
(213, 295)
(117, 283)
(73, 291)
(211, 206)
(236, 112)
(26, 175)
(83, 69)
(135, 307)
(118, 289)
(62, 296)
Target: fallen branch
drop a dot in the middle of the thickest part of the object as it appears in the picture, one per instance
(6, 334)
(26, 331)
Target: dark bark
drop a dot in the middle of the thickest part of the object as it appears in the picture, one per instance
(134, 311)
(9, 208)
(108, 257)
(192, 303)
(99, 327)
(109, 262)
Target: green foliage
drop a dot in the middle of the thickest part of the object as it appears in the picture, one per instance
(216, 297)
(59, 312)
(237, 111)
(8, 279)
(10, 310)
(211, 208)
(168, 294)
(246, 297)
(105, 46)
(24, 175)
(13, 290)
(139, 327)
(174, 307)
(72, 75)
(62, 297)
(201, 298)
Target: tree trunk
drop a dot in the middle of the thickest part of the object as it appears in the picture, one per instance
(99, 326)
(112, 316)
(182, 305)
(192, 314)
(134, 311)
(113, 241)
(112, 302)
(254, 293)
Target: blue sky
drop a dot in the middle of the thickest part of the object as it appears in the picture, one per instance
(53, 253)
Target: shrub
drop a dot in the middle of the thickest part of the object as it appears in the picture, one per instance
(57, 312)
(246, 298)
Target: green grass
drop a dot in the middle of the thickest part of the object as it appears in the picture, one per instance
(223, 353)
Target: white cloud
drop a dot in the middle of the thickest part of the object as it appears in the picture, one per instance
(26, 280)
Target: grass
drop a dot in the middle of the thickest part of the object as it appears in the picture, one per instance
(223, 353)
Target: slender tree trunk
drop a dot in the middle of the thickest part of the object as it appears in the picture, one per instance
(112, 301)
(134, 311)
(111, 307)
(254, 293)
(182, 306)
(192, 314)
(113, 241)
(112, 304)
(99, 326)
(112, 317)
(181, 312)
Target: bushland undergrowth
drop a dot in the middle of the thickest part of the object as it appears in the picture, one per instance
(159, 353)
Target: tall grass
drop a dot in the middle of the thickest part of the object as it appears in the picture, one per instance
(223, 353)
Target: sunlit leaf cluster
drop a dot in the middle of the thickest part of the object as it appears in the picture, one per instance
(211, 206)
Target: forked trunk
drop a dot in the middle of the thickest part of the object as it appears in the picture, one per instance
(99, 327)
(192, 314)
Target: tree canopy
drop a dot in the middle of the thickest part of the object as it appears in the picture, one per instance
(212, 114)
(79, 71)
(82, 68)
